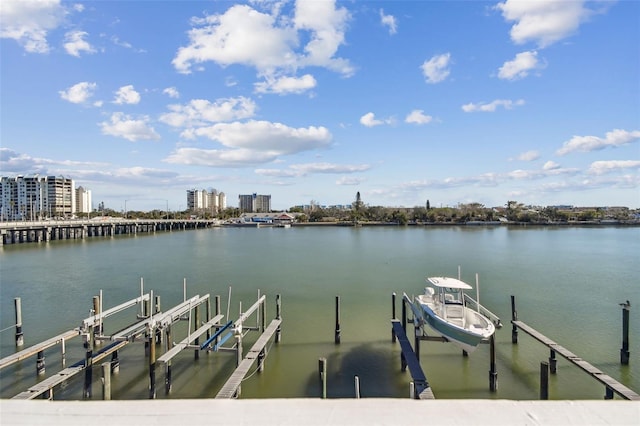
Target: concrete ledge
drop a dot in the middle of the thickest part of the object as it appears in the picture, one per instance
(352, 412)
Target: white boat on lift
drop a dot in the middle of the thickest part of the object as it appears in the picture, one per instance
(443, 306)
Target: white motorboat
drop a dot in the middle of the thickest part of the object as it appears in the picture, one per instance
(444, 308)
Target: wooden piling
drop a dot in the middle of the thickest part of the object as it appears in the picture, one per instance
(278, 316)
(19, 335)
(207, 314)
(393, 315)
(322, 370)
(493, 373)
(544, 380)
(553, 369)
(337, 332)
(357, 385)
(416, 345)
(96, 311)
(40, 364)
(624, 351)
(88, 366)
(514, 317)
(196, 326)
(115, 363)
(152, 364)
(106, 381)
(167, 368)
(217, 313)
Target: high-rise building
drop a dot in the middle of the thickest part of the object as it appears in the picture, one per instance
(83, 200)
(36, 197)
(201, 200)
(254, 203)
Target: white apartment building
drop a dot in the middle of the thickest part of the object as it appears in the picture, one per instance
(201, 200)
(254, 203)
(83, 200)
(36, 197)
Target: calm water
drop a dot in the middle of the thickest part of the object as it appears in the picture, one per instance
(567, 282)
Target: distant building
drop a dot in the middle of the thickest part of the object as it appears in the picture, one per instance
(36, 197)
(201, 201)
(254, 203)
(83, 200)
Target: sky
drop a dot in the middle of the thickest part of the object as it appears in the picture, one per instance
(314, 101)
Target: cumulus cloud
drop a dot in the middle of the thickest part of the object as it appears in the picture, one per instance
(369, 120)
(614, 138)
(172, 92)
(349, 181)
(299, 170)
(124, 126)
(29, 21)
(492, 106)
(286, 85)
(528, 156)
(550, 165)
(544, 22)
(268, 42)
(74, 43)
(388, 21)
(436, 69)
(251, 143)
(79, 93)
(520, 66)
(199, 112)
(127, 95)
(417, 116)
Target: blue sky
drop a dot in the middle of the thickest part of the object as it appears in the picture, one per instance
(402, 101)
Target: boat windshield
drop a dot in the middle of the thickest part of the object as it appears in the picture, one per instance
(452, 295)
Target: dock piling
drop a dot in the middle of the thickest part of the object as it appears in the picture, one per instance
(278, 316)
(19, 335)
(337, 333)
(152, 364)
(552, 362)
(357, 385)
(514, 317)
(40, 364)
(393, 315)
(322, 369)
(88, 366)
(624, 351)
(544, 380)
(493, 373)
(106, 381)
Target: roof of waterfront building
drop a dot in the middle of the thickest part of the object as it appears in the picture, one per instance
(353, 412)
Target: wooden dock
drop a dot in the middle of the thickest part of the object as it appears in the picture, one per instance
(230, 388)
(422, 388)
(594, 372)
(184, 344)
(49, 383)
(30, 351)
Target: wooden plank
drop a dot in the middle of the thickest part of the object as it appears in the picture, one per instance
(49, 383)
(421, 384)
(189, 339)
(32, 350)
(95, 319)
(587, 367)
(230, 388)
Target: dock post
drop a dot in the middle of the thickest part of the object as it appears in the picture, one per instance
(218, 313)
(263, 316)
(96, 311)
(552, 362)
(357, 385)
(544, 380)
(88, 366)
(337, 333)
(393, 315)
(207, 314)
(19, 335)
(416, 345)
(167, 368)
(152, 363)
(404, 316)
(196, 326)
(493, 373)
(157, 310)
(40, 365)
(624, 351)
(106, 381)
(63, 352)
(238, 337)
(115, 363)
(322, 369)
(514, 317)
(609, 393)
(278, 308)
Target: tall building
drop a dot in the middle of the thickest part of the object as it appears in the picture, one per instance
(201, 200)
(254, 203)
(36, 197)
(83, 200)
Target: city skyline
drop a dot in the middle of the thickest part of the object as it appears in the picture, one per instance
(452, 102)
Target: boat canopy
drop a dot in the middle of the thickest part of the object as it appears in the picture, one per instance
(449, 283)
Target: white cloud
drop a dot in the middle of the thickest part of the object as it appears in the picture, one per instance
(29, 21)
(123, 126)
(75, 43)
(436, 69)
(613, 138)
(299, 170)
(602, 167)
(389, 21)
(127, 95)
(417, 116)
(79, 93)
(369, 120)
(349, 181)
(285, 85)
(550, 165)
(172, 92)
(268, 42)
(199, 112)
(250, 143)
(492, 106)
(529, 156)
(544, 22)
(520, 66)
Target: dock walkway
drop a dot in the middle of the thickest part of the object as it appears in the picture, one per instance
(189, 339)
(32, 350)
(422, 388)
(594, 372)
(230, 388)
